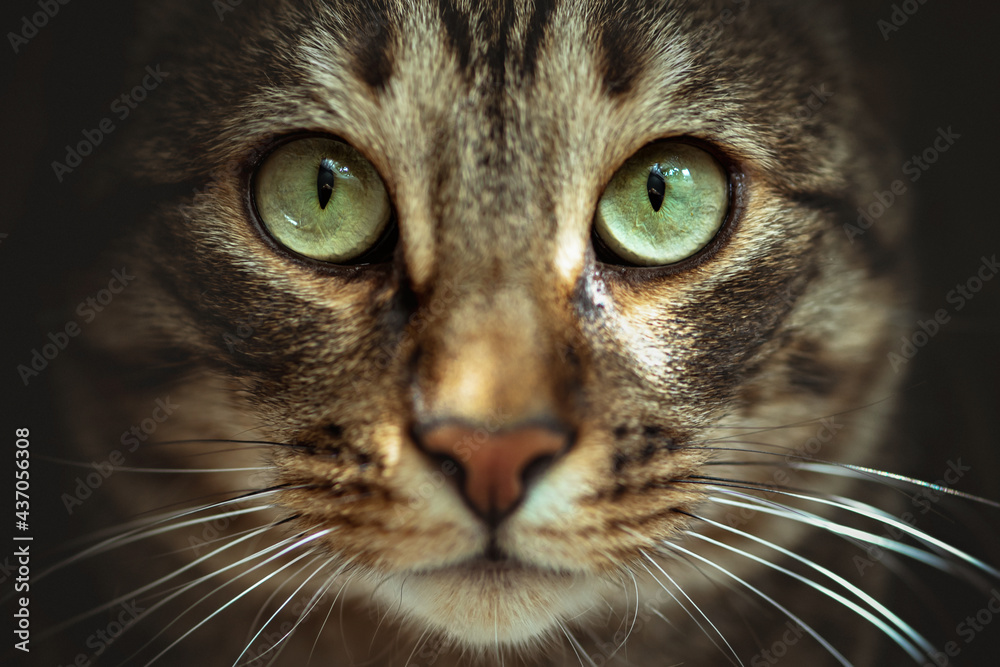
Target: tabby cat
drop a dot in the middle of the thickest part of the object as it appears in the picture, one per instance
(499, 333)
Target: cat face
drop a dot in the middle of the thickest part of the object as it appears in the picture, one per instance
(490, 402)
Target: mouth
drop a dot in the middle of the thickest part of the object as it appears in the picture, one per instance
(490, 562)
(501, 568)
(497, 562)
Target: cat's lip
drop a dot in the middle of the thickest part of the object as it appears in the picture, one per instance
(485, 564)
(482, 564)
(496, 561)
(491, 565)
(488, 564)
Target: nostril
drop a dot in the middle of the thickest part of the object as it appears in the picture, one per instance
(493, 471)
(449, 465)
(536, 469)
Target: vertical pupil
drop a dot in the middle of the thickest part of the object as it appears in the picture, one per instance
(656, 187)
(324, 182)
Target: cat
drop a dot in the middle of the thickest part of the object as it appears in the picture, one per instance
(501, 333)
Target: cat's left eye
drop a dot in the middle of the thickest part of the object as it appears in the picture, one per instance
(322, 199)
(667, 202)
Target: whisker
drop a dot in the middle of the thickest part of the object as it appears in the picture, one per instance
(904, 644)
(635, 616)
(124, 598)
(135, 533)
(312, 604)
(199, 580)
(846, 532)
(868, 511)
(141, 521)
(840, 502)
(628, 601)
(319, 633)
(577, 648)
(754, 429)
(216, 540)
(861, 472)
(805, 626)
(244, 592)
(288, 599)
(882, 609)
(140, 534)
(261, 608)
(385, 615)
(758, 486)
(333, 604)
(282, 606)
(693, 604)
(812, 464)
(258, 443)
(85, 464)
(416, 645)
(779, 450)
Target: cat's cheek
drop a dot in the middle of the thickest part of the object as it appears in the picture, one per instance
(400, 517)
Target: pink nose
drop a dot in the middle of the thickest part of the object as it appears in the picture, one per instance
(497, 467)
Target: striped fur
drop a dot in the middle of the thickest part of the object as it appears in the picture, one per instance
(495, 127)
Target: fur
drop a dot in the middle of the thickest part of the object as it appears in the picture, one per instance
(495, 127)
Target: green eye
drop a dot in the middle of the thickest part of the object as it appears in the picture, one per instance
(320, 198)
(664, 205)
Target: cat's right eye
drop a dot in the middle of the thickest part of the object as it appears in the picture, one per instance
(666, 203)
(320, 198)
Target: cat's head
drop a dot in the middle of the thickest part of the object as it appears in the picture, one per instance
(506, 279)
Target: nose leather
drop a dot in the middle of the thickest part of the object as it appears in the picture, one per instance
(496, 466)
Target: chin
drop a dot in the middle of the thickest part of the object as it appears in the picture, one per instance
(488, 605)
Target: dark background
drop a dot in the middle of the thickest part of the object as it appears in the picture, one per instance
(939, 70)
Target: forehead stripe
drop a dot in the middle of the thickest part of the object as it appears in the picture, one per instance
(371, 45)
